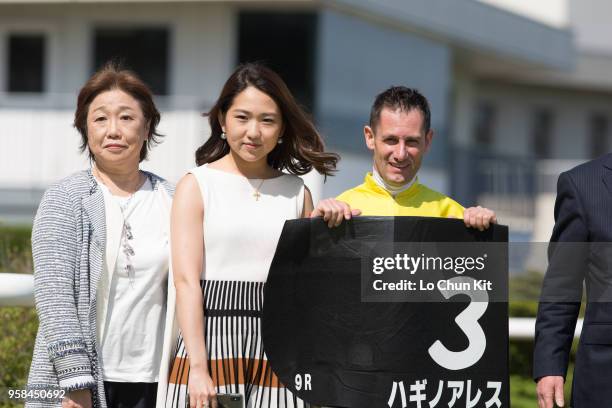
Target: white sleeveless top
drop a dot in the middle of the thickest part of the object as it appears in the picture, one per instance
(241, 232)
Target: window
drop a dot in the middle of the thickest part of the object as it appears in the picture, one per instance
(599, 135)
(26, 63)
(143, 50)
(484, 132)
(542, 133)
(284, 42)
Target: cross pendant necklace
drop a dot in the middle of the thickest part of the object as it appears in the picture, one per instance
(256, 193)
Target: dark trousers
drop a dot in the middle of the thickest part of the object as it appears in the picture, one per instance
(130, 395)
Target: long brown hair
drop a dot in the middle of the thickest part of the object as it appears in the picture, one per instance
(302, 147)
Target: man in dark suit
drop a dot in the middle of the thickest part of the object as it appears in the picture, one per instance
(578, 252)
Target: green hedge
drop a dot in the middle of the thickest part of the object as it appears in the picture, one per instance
(18, 325)
(15, 249)
(524, 292)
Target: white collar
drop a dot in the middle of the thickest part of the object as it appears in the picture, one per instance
(389, 188)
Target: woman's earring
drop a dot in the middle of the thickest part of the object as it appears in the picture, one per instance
(280, 140)
(222, 136)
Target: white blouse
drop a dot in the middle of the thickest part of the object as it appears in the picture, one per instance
(131, 345)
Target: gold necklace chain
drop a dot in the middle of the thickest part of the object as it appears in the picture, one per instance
(256, 192)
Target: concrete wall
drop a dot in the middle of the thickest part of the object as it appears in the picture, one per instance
(356, 60)
(470, 24)
(512, 147)
(590, 20)
(550, 12)
(39, 144)
(202, 38)
(572, 110)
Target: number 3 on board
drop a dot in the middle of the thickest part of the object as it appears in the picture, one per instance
(468, 323)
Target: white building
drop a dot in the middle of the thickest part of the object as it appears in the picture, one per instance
(497, 73)
(528, 125)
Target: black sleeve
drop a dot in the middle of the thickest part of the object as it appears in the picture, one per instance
(562, 287)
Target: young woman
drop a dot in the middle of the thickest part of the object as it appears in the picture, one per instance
(226, 219)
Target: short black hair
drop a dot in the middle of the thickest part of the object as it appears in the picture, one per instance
(403, 98)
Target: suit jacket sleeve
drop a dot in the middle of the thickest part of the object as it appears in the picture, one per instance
(562, 287)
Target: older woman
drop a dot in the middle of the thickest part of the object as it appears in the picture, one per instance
(100, 245)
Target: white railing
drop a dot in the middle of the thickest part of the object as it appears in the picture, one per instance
(523, 328)
(18, 290)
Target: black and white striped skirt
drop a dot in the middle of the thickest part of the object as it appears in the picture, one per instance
(236, 359)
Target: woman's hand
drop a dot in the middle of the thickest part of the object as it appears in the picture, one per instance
(202, 393)
(77, 399)
(334, 211)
